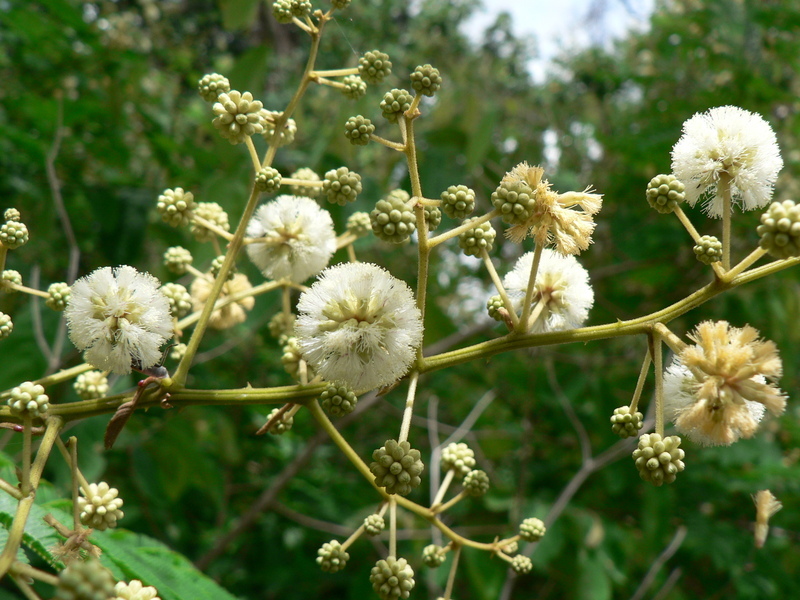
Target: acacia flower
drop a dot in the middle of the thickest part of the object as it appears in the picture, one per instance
(562, 284)
(555, 218)
(230, 314)
(300, 238)
(716, 391)
(359, 325)
(729, 140)
(116, 316)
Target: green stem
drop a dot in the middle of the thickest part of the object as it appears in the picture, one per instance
(27, 424)
(523, 324)
(59, 377)
(656, 350)
(388, 143)
(498, 284)
(451, 577)
(448, 479)
(724, 191)
(746, 262)
(637, 393)
(409, 409)
(678, 211)
(393, 526)
(456, 231)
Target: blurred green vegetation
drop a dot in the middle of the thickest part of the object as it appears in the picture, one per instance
(125, 72)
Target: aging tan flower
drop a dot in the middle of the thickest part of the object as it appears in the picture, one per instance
(562, 220)
(716, 390)
(231, 314)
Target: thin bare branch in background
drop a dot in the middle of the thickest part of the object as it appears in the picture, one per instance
(655, 567)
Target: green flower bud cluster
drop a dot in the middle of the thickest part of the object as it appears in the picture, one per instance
(332, 557)
(180, 300)
(708, 250)
(532, 529)
(85, 580)
(212, 85)
(473, 241)
(13, 234)
(515, 200)
(100, 506)
(493, 307)
(374, 66)
(268, 180)
(458, 201)
(433, 217)
(433, 556)
(373, 525)
(11, 214)
(212, 212)
(176, 259)
(175, 207)
(238, 116)
(626, 424)
(11, 276)
(91, 385)
(359, 224)
(28, 398)
(58, 295)
(665, 193)
(6, 325)
(511, 548)
(291, 358)
(476, 483)
(426, 80)
(287, 133)
(338, 400)
(341, 186)
(358, 129)
(178, 351)
(300, 8)
(780, 229)
(392, 220)
(659, 461)
(395, 103)
(281, 425)
(282, 11)
(216, 267)
(392, 578)
(397, 467)
(309, 191)
(521, 564)
(281, 324)
(340, 4)
(354, 87)
(458, 457)
(134, 590)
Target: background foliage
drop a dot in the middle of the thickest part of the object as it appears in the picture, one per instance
(125, 73)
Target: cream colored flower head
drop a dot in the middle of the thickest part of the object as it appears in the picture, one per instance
(732, 141)
(230, 314)
(135, 591)
(359, 325)
(299, 238)
(116, 316)
(561, 220)
(716, 391)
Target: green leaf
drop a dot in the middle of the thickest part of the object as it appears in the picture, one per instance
(593, 581)
(38, 536)
(238, 14)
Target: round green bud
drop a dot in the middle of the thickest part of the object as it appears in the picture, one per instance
(426, 80)
(178, 351)
(358, 129)
(300, 8)
(354, 87)
(340, 4)
(473, 241)
(85, 580)
(374, 66)
(212, 85)
(341, 186)
(338, 399)
(99, 506)
(28, 399)
(626, 424)
(458, 201)
(282, 11)
(664, 193)
(433, 217)
(532, 530)
(291, 358)
(397, 467)
(458, 457)
(175, 207)
(281, 324)
(13, 234)
(176, 259)
(282, 425)
(511, 548)
(392, 220)
(392, 578)
(309, 191)
(659, 460)
(6, 325)
(212, 212)
(287, 132)
(476, 483)
(216, 267)
(11, 214)
(521, 564)
(395, 103)
(708, 250)
(433, 556)
(780, 229)
(11, 276)
(359, 224)
(180, 300)
(238, 116)
(515, 200)
(331, 557)
(373, 525)
(268, 180)
(58, 295)
(91, 385)
(493, 306)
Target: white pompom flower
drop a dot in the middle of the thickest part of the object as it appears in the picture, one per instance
(360, 325)
(729, 140)
(116, 316)
(300, 238)
(562, 285)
